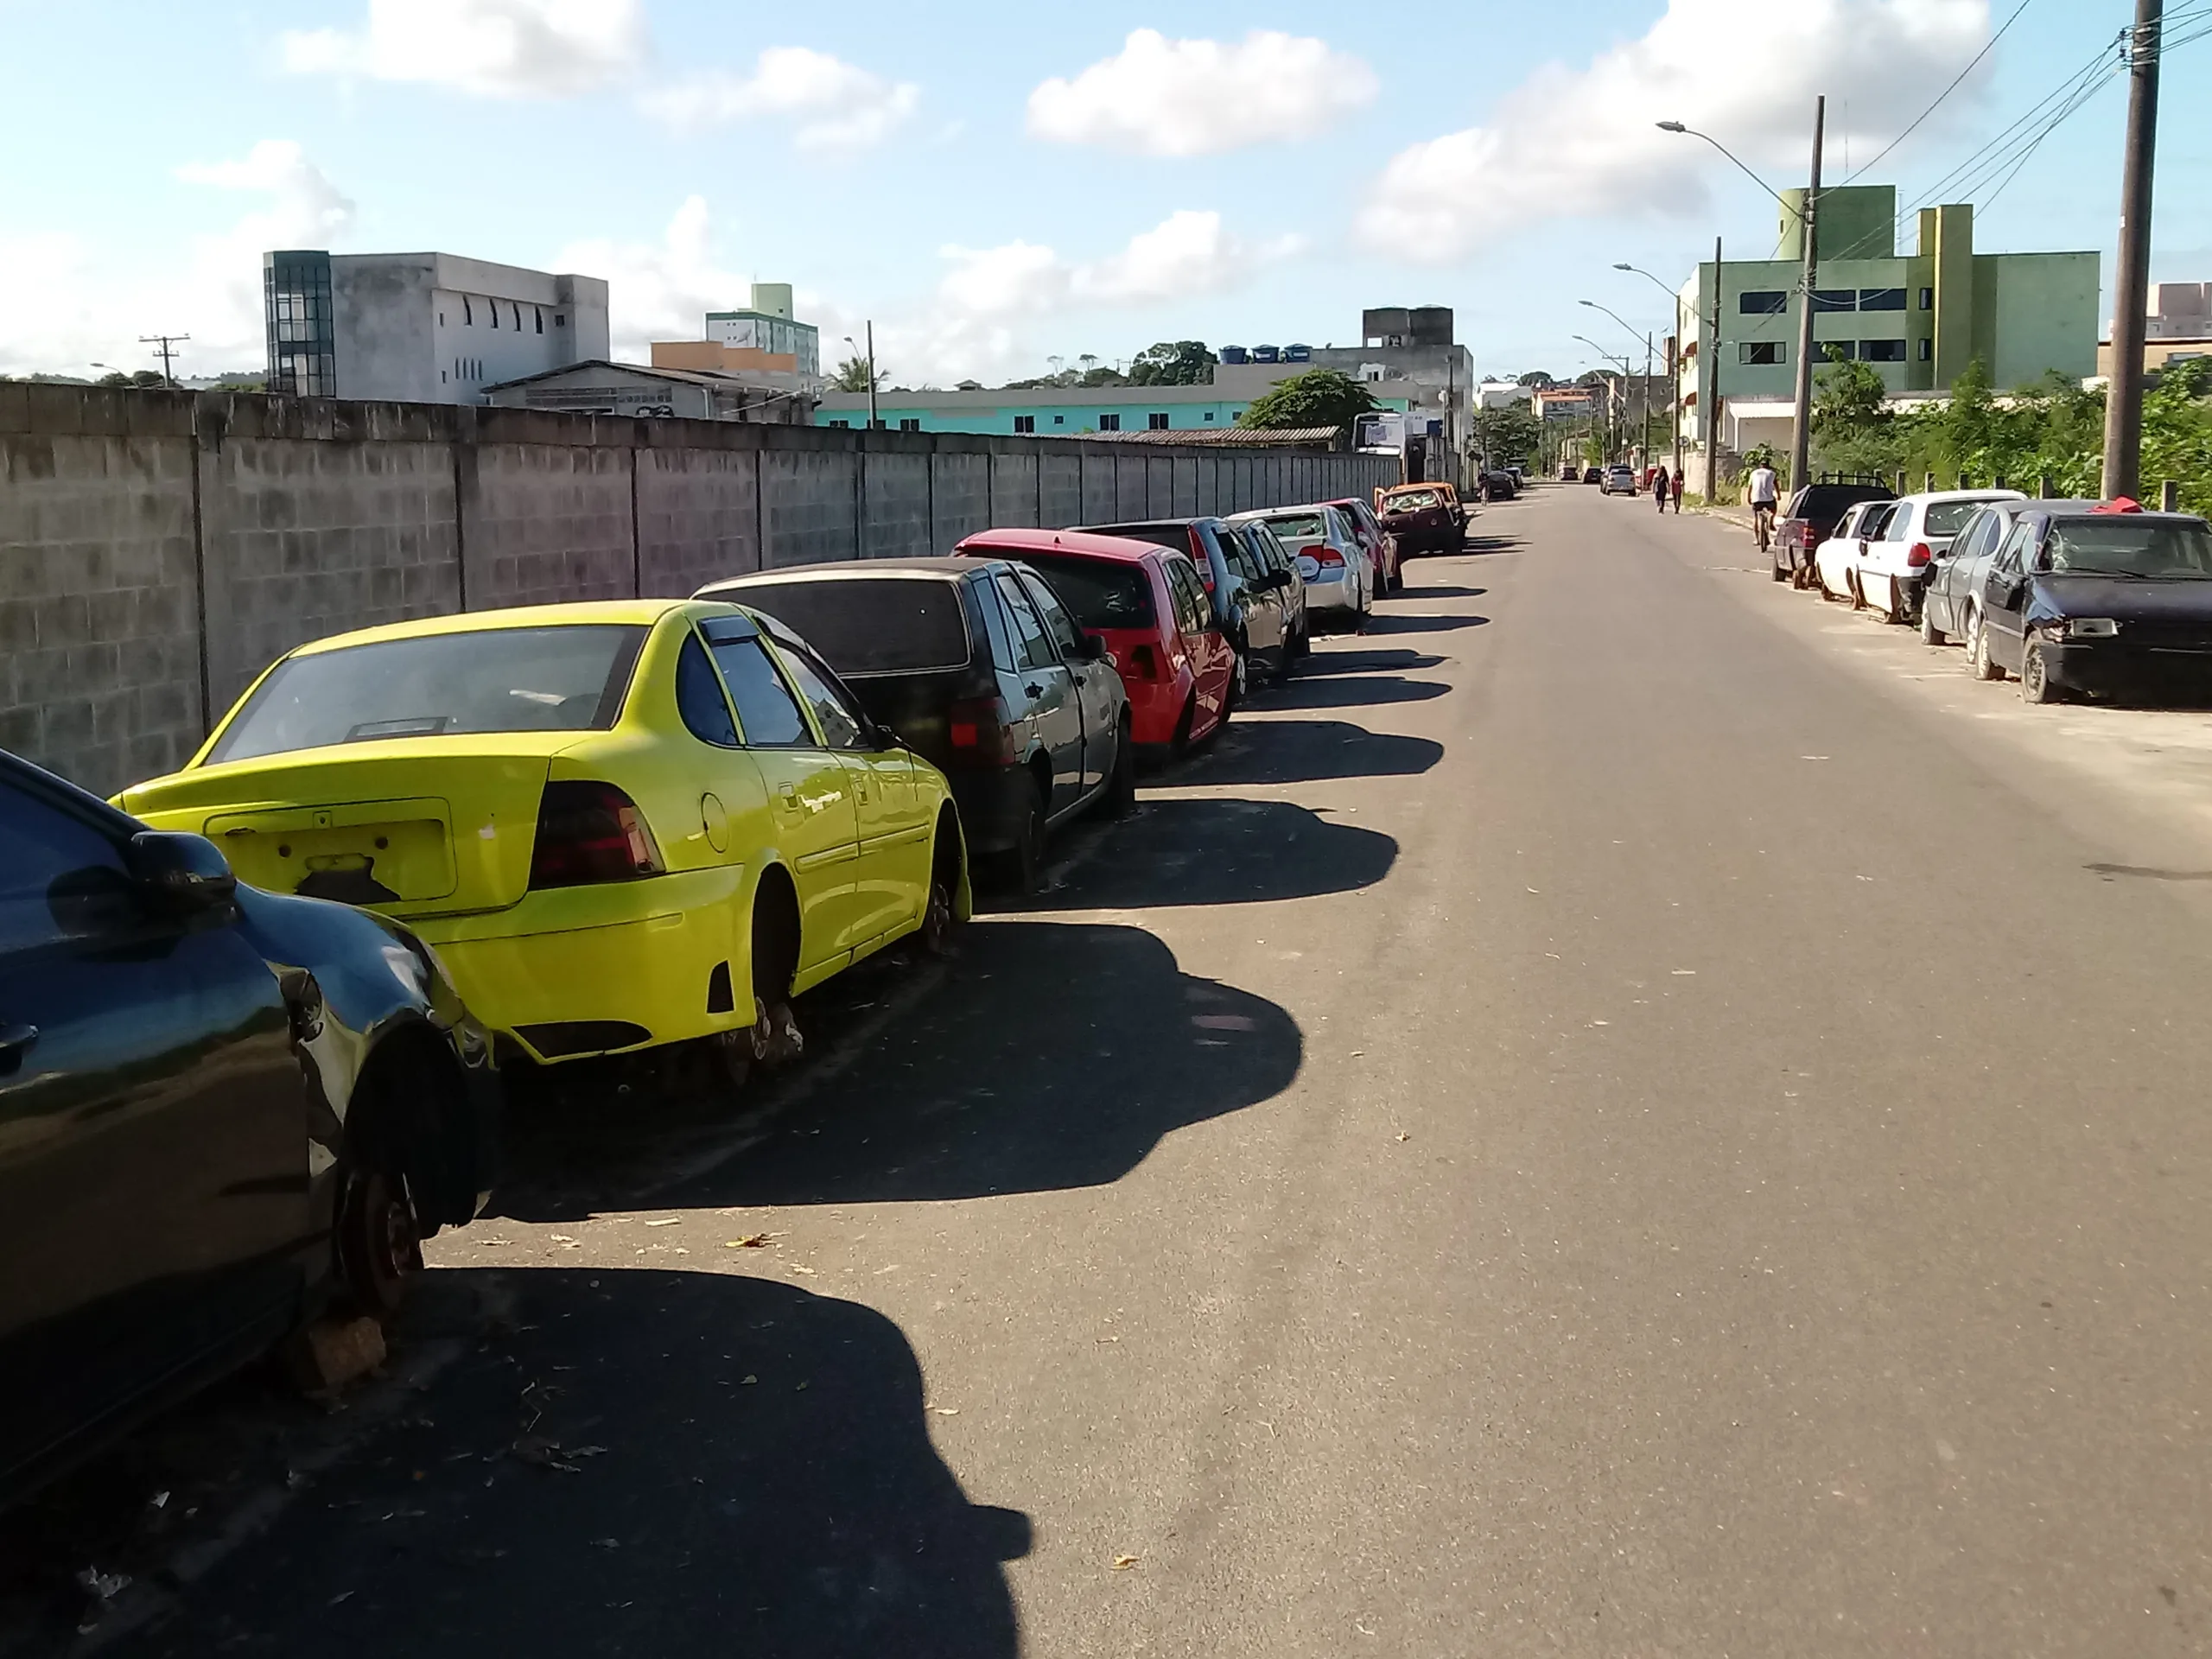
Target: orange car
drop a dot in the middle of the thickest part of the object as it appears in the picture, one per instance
(1424, 517)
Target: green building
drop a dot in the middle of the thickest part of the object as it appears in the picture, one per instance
(1918, 319)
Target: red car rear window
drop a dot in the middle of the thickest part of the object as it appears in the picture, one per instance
(1102, 594)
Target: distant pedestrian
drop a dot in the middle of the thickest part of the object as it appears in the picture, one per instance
(1678, 493)
(1659, 485)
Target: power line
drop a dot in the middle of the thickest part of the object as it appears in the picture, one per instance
(1947, 91)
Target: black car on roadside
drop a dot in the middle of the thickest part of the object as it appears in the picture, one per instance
(2103, 599)
(1810, 517)
(976, 667)
(222, 1112)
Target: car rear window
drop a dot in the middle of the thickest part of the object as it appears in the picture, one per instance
(1101, 593)
(1410, 501)
(1822, 504)
(1949, 517)
(557, 679)
(1304, 526)
(869, 624)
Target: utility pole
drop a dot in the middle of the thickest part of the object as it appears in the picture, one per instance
(1801, 436)
(873, 423)
(165, 348)
(1712, 391)
(1643, 432)
(2131, 280)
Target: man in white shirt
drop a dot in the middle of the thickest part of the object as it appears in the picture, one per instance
(1763, 483)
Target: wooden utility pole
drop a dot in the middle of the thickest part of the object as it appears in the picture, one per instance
(1712, 391)
(2131, 278)
(165, 348)
(1801, 435)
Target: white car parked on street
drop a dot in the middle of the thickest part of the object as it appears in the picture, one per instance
(1339, 576)
(1893, 563)
(1835, 561)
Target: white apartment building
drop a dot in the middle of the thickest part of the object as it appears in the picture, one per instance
(421, 327)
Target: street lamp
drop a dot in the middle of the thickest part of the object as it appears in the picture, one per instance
(1610, 358)
(1674, 358)
(1807, 215)
(873, 423)
(1643, 398)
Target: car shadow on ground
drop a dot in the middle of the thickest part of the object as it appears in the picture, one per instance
(1410, 622)
(632, 1461)
(1480, 544)
(1018, 1077)
(1384, 660)
(1305, 751)
(1444, 590)
(1349, 691)
(1180, 850)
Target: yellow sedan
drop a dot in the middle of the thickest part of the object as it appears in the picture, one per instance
(620, 824)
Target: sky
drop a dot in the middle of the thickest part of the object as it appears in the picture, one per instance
(999, 185)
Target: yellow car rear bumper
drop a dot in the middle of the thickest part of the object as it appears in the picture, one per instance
(574, 972)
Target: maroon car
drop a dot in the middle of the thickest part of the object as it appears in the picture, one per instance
(1382, 547)
(1422, 517)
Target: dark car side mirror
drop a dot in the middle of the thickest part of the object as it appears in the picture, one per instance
(182, 874)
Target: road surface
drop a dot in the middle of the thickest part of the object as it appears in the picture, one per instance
(1620, 1113)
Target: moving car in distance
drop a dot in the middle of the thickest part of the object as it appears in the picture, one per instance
(1146, 607)
(622, 825)
(1422, 517)
(1251, 602)
(1891, 564)
(1619, 479)
(1807, 519)
(1835, 561)
(1381, 546)
(980, 670)
(226, 1110)
(1339, 580)
(2103, 601)
(1951, 597)
(1592, 475)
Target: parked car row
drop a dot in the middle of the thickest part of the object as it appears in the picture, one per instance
(2073, 598)
(253, 1013)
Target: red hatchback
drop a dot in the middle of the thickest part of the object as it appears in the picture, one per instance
(1148, 605)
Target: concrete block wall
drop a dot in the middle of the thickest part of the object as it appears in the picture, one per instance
(100, 629)
(159, 550)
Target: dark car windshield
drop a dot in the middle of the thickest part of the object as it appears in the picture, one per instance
(869, 624)
(1102, 593)
(557, 679)
(2123, 547)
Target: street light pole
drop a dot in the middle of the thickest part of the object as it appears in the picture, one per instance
(1712, 378)
(873, 421)
(2131, 280)
(1801, 436)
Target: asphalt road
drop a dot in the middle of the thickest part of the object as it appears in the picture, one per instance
(1593, 1123)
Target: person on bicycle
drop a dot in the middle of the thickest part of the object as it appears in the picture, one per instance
(1763, 483)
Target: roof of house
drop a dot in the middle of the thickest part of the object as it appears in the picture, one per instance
(689, 377)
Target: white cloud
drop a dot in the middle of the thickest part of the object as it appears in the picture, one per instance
(493, 48)
(1186, 255)
(1158, 97)
(74, 303)
(1582, 143)
(659, 290)
(835, 105)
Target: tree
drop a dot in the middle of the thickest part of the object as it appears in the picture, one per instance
(1510, 433)
(1537, 379)
(1173, 363)
(851, 375)
(1850, 416)
(1316, 398)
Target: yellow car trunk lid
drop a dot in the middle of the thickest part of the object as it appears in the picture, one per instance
(427, 827)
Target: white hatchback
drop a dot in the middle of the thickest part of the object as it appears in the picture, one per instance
(1892, 565)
